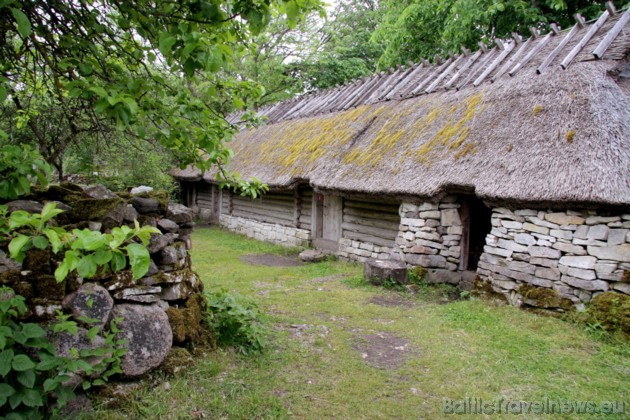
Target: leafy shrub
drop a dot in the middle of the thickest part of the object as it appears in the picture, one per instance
(237, 321)
(33, 374)
(19, 166)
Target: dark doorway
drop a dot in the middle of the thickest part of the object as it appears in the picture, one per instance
(476, 223)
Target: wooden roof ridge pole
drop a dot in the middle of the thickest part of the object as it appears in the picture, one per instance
(402, 83)
(385, 86)
(517, 54)
(586, 38)
(567, 38)
(465, 67)
(612, 35)
(385, 95)
(326, 100)
(479, 65)
(555, 30)
(446, 72)
(507, 49)
(315, 103)
(352, 99)
(431, 76)
(366, 92)
(342, 98)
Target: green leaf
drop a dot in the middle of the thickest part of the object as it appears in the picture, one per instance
(69, 263)
(139, 260)
(89, 240)
(54, 239)
(24, 24)
(26, 378)
(49, 211)
(19, 218)
(50, 385)
(32, 398)
(40, 242)
(32, 330)
(6, 357)
(16, 246)
(166, 42)
(118, 261)
(6, 390)
(102, 256)
(22, 362)
(87, 266)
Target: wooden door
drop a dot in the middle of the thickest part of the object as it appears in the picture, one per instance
(326, 221)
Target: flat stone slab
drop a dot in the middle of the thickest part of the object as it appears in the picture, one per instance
(379, 271)
(312, 255)
(270, 260)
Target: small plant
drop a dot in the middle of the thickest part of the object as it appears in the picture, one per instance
(416, 275)
(19, 166)
(237, 321)
(33, 374)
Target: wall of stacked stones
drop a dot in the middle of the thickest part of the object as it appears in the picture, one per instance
(160, 309)
(279, 234)
(578, 254)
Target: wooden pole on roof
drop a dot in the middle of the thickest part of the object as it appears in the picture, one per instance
(465, 67)
(611, 35)
(431, 76)
(541, 44)
(591, 32)
(506, 50)
(517, 55)
(479, 65)
(580, 22)
(445, 73)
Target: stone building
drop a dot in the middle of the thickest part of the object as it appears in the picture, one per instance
(512, 163)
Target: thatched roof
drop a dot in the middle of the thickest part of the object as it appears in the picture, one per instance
(511, 135)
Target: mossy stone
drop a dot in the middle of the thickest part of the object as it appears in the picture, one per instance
(45, 286)
(178, 358)
(186, 320)
(612, 311)
(542, 297)
(38, 261)
(93, 209)
(483, 288)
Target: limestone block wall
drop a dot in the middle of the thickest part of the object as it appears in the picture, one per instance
(282, 235)
(357, 250)
(578, 254)
(430, 234)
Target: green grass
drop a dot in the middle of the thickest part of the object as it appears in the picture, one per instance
(460, 349)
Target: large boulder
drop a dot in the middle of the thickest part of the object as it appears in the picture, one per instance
(145, 205)
(148, 334)
(28, 206)
(67, 344)
(180, 214)
(381, 271)
(91, 301)
(98, 192)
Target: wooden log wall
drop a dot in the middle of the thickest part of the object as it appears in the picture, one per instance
(306, 208)
(204, 195)
(273, 207)
(370, 221)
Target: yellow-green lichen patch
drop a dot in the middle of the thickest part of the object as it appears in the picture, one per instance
(454, 133)
(570, 136)
(536, 110)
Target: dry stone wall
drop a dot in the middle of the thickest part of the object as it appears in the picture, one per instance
(160, 309)
(282, 235)
(577, 254)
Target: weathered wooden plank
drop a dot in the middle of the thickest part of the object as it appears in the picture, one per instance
(261, 218)
(383, 224)
(368, 238)
(374, 206)
(370, 230)
(371, 214)
(508, 49)
(288, 215)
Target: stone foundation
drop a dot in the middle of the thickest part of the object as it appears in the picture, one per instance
(282, 235)
(577, 254)
(362, 251)
(430, 234)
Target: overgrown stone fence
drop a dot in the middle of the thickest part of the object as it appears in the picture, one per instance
(159, 310)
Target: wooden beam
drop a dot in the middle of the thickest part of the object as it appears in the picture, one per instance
(465, 67)
(445, 73)
(371, 214)
(541, 44)
(479, 65)
(437, 71)
(612, 35)
(591, 32)
(370, 230)
(567, 38)
(495, 63)
(512, 59)
(368, 238)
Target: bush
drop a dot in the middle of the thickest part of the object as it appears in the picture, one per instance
(237, 321)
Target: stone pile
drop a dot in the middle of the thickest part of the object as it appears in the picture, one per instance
(576, 254)
(429, 237)
(282, 235)
(161, 309)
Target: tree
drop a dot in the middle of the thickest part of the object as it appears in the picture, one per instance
(153, 70)
(415, 29)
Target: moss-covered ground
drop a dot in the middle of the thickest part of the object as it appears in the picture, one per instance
(319, 362)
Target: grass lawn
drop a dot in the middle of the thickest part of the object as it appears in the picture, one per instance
(341, 348)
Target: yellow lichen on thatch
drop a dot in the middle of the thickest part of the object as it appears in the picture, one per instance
(570, 136)
(536, 110)
(454, 133)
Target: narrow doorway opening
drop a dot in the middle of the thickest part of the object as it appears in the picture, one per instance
(326, 228)
(476, 222)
